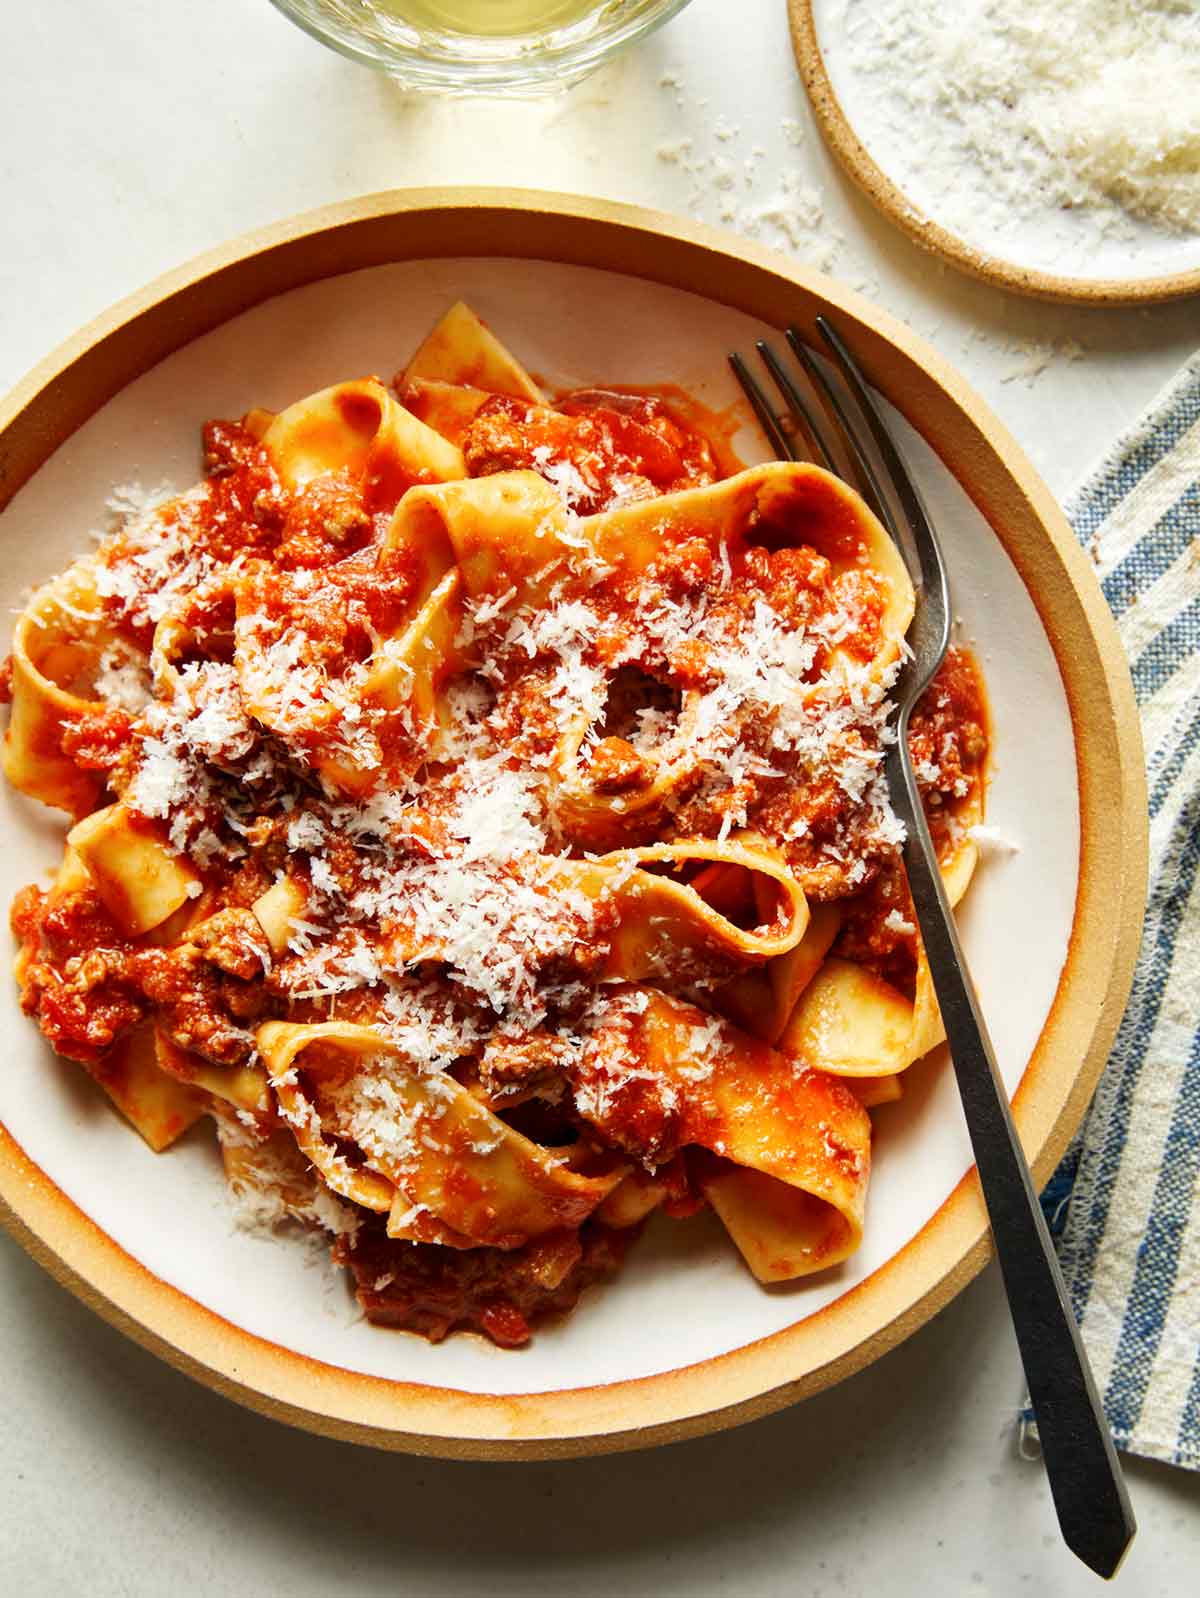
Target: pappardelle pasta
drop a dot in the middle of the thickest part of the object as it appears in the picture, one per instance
(478, 817)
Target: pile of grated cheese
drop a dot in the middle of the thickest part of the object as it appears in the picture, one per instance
(996, 109)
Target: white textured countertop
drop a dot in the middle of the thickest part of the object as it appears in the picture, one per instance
(132, 136)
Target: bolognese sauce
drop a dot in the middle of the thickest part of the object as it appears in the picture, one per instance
(347, 853)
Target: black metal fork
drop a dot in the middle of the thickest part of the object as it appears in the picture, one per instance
(847, 425)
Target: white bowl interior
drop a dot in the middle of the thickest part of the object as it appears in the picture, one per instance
(684, 1296)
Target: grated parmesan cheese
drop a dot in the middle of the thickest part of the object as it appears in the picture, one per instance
(992, 838)
(1004, 109)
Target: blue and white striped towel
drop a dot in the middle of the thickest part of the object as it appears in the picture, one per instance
(1124, 1205)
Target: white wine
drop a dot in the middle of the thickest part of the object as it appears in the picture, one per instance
(492, 19)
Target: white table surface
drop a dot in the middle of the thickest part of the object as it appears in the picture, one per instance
(134, 134)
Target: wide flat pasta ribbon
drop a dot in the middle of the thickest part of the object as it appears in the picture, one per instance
(850, 1022)
(393, 697)
(449, 408)
(780, 504)
(763, 1000)
(508, 533)
(161, 1088)
(461, 350)
(437, 1160)
(511, 530)
(359, 431)
(158, 1105)
(653, 925)
(514, 542)
(58, 645)
(141, 880)
(666, 926)
(657, 1075)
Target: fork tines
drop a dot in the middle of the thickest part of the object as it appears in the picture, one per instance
(799, 433)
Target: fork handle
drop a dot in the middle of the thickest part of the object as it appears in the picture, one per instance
(1089, 1493)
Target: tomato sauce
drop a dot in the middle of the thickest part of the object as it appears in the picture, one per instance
(502, 1293)
(948, 741)
(600, 447)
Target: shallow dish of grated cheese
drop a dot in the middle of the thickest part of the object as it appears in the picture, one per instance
(1053, 148)
(455, 965)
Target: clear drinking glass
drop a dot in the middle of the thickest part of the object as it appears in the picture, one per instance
(480, 46)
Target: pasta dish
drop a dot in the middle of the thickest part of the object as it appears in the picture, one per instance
(478, 819)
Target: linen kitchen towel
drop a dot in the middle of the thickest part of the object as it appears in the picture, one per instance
(1124, 1205)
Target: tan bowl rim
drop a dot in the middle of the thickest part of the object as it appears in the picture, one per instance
(857, 162)
(69, 386)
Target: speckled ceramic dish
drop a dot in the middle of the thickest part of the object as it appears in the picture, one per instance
(684, 1340)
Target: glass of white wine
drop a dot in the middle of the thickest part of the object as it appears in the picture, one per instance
(480, 46)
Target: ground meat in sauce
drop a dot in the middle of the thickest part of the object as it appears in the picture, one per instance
(100, 740)
(87, 985)
(226, 446)
(513, 1070)
(242, 513)
(948, 741)
(597, 447)
(83, 1004)
(234, 941)
(196, 1005)
(879, 930)
(432, 1290)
